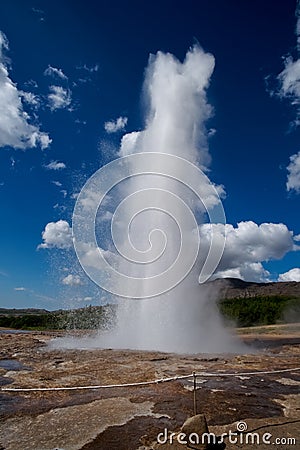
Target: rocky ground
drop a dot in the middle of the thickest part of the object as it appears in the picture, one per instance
(130, 418)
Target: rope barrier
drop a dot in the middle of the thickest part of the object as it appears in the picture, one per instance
(239, 374)
(147, 383)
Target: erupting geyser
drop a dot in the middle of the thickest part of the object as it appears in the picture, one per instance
(158, 200)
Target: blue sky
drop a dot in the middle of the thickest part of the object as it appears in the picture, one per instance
(70, 67)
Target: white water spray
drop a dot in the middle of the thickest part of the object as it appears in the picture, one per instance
(155, 228)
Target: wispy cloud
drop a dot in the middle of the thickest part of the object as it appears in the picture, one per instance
(31, 84)
(31, 99)
(55, 72)
(59, 98)
(90, 69)
(39, 13)
(293, 179)
(36, 294)
(15, 128)
(72, 280)
(56, 183)
(289, 88)
(289, 78)
(55, 165)
(87, 73)
(113, 126)
(60, 208)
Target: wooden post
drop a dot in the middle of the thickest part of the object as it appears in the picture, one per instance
(195, 387)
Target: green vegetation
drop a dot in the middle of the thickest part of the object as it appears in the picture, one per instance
(245, 312)
(261, 310)
(30, 321)
(90, 317)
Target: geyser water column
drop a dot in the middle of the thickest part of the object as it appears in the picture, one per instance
(158, 198)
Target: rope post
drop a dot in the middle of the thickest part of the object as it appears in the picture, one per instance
(194, 393)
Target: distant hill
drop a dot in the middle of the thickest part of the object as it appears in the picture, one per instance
(247, 304)
(21, 312)
(227, 288)
(243, 302)
(236, 288)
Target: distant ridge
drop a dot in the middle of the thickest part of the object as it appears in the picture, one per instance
(226, 287)
(21, 312)
(237, 288)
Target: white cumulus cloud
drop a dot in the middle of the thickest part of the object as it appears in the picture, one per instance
(72, 280)
(15, 128)
(293, 179)
(57, 235)
(112, 126)
(55, 165)
(129, 142)
(247, 246)
(90, 255)
(291, 275)
(248, 272)
(59, 97)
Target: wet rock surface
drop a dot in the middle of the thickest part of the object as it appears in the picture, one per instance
(131, 417)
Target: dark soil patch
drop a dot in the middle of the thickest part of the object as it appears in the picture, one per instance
(131, 435)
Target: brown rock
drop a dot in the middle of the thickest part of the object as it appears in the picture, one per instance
(172, 441)
(194, 428)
